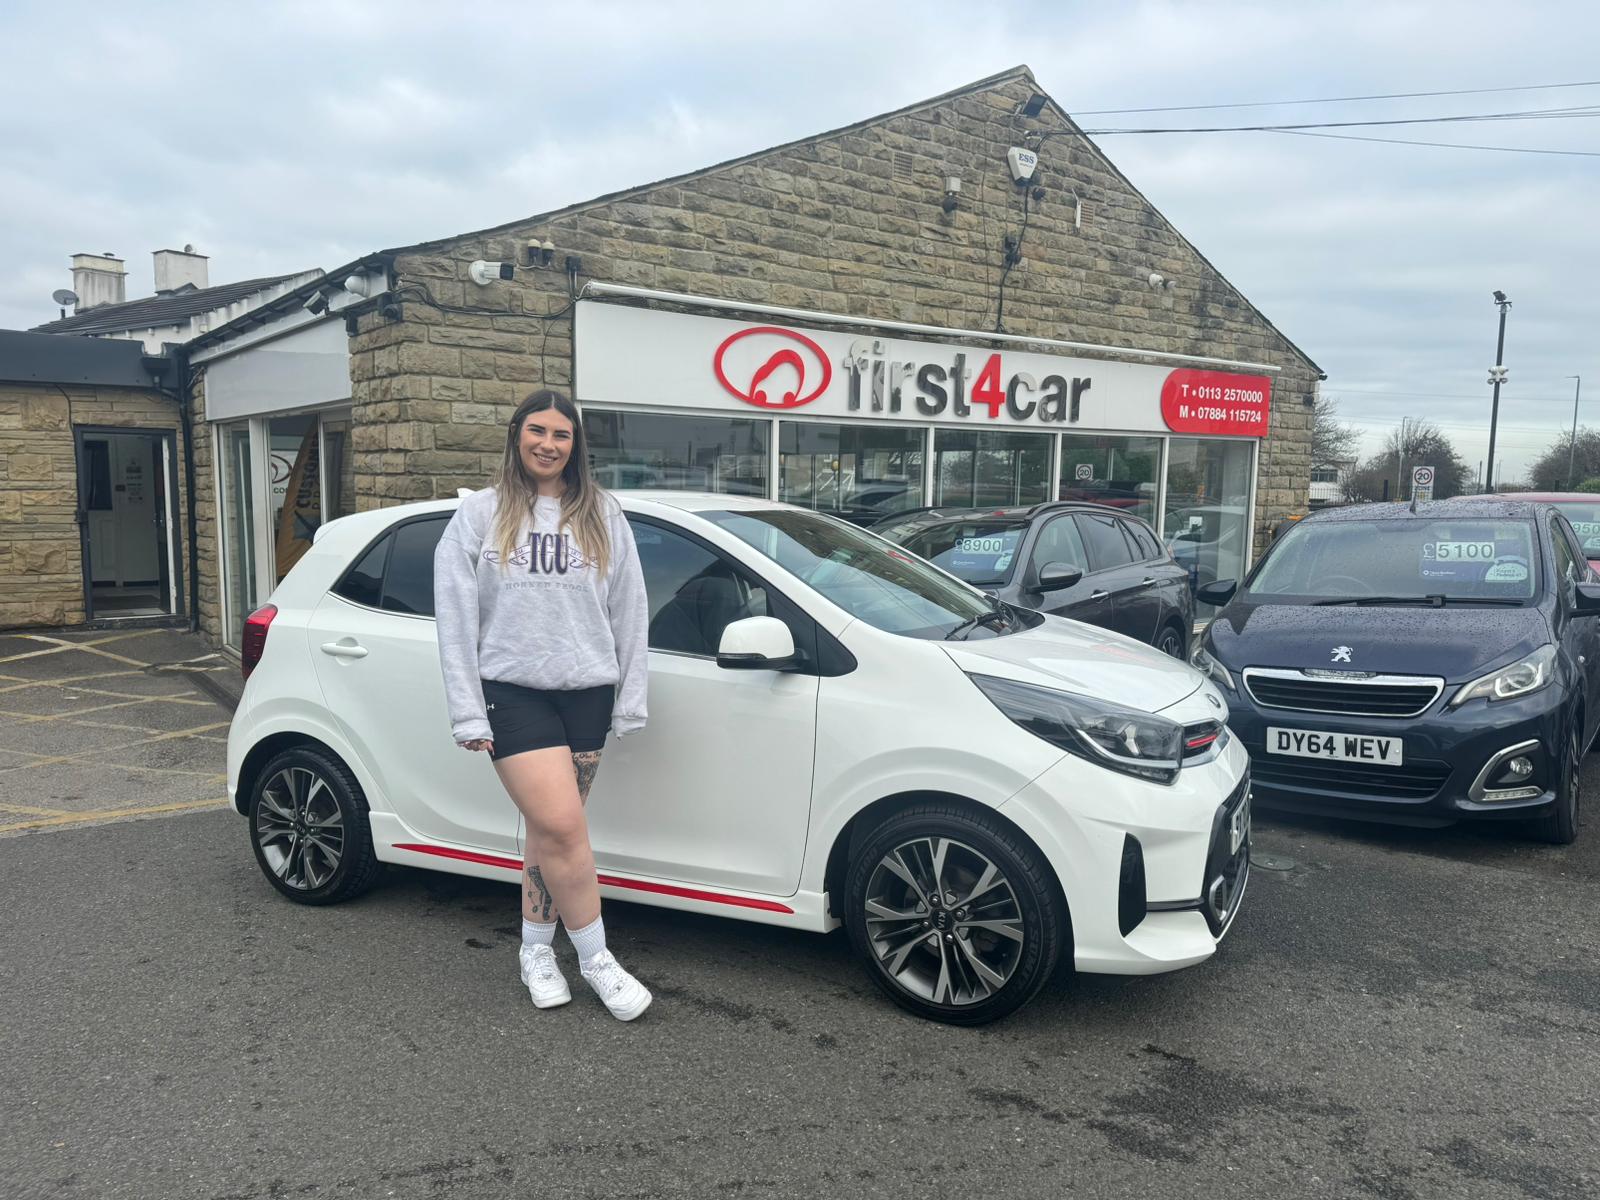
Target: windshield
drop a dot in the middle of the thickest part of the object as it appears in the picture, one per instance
(1585, 518)
(982, 551)
(860, 573)
(1407, 558)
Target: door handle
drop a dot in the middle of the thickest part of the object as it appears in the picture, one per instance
(1101, 595)
(345, 649)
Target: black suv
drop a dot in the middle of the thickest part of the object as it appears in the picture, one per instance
(1084, 561)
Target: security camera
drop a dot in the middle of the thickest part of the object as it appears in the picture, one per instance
(484, 273)
(315, 303)
(1023, 162)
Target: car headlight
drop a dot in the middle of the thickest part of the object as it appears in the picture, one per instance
(1109, 735)
(1202, 660)
(1520, 678)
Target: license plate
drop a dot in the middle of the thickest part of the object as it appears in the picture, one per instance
(1239, 827)
(1340, 747)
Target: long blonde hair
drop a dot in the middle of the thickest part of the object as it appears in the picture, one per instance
(584, 504)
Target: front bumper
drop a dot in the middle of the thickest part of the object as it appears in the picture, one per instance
(1448, 765)
(1151, 876)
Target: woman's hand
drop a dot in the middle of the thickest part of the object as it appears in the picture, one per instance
(479, 744)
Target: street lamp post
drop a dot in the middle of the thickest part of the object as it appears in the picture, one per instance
(1572, 450)
(1497, 376)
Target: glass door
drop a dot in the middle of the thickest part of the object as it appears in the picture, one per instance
(236, 481)
(1207, 517)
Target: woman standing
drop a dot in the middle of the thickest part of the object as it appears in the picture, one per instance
(542, 630)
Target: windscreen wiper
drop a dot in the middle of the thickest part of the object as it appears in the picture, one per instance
(972, 623)
(1436, 600)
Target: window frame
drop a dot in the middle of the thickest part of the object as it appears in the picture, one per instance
(388, 531)
(1088, 551)
(1034, 563)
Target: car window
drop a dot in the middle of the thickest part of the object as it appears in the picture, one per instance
(866, 577)
(694, 593)
(408, 579)
(1578, 549)
(363, 582)
(1059, 542)
(1103, 538)
(1460, 558)
(1144, 540)
(1566, 561)
(980, 551)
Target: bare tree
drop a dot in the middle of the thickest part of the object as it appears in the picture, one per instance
(1425, 445)
(1332, 440)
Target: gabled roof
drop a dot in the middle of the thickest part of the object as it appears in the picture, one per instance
(153, 311)
(1021, 71)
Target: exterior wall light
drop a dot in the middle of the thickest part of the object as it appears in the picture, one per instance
(952, 192)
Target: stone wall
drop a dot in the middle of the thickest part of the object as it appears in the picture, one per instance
(208, 515)
(848, 222)
(41, 559)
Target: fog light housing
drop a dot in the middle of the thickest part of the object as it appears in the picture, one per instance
(1512, 774)
(1519, 768)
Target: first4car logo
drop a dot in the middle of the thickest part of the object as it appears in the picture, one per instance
(771, 367)
(1341, 654)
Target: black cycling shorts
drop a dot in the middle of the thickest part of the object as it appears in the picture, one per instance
(526, 719)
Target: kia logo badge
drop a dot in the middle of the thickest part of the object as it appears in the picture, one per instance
(780, 369)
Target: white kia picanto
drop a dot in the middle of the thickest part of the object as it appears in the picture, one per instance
(839, 733)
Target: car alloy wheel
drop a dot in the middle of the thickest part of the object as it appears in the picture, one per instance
(956, 915)
(309, 827)
(943, 921)
(1560, 827)
(300, 829)
(1170, 642)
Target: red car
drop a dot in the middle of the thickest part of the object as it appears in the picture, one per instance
(1582, 509)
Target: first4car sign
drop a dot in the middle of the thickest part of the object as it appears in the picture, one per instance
(643, 356)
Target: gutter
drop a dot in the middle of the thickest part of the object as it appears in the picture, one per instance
(625, 291)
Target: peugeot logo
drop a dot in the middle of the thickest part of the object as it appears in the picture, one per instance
(779, 368)
(1341, 653)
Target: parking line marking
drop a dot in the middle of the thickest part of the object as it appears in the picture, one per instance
(111, 814)
(64, 758)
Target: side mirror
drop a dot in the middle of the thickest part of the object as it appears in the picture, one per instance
(1586, 600)
(1057, 575)
(1218, 592)
(756, 644)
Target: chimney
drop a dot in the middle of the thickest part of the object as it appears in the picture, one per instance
(98, 279)
(178, 269)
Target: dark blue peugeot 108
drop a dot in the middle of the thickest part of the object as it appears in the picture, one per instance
(1416, 664)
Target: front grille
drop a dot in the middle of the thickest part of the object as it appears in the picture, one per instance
(1414, 781)
(1348, 695)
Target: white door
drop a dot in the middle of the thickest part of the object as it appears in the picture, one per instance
(716, 790)
(377, 658)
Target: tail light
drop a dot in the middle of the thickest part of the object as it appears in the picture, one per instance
(254, 639)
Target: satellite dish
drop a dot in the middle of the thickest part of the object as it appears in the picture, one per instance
(63, 297)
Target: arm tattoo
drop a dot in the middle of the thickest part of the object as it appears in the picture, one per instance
(546, 901)
(584, 764)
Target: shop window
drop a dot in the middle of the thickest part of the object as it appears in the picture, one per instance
(1208, 509)
(679, 453)
(294, 463)
(990, 469)
(238, 512)
(1122, 472)
(859, 472)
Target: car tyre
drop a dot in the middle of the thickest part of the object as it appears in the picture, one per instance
(976, 947)
(1560, 826)
(309, 828)
(1170, 642)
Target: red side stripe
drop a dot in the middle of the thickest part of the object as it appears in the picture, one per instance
(637, 885)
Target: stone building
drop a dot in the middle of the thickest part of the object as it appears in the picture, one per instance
(866, 320)
(93, 499)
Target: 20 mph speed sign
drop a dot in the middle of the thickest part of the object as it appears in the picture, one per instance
(1422, 477)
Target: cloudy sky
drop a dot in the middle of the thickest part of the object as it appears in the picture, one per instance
(281, 136)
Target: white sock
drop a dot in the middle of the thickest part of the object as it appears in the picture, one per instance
(535, 934)
(588, 941)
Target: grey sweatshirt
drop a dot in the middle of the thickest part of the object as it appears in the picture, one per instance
(547, 619)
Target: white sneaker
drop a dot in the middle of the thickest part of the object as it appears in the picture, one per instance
(545, 982)
(624, 995)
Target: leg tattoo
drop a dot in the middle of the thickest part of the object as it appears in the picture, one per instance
(584, 764)
(544, 902)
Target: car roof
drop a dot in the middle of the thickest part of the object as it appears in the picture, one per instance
(1026, 512)
(1558, 497)
(1483, 507)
